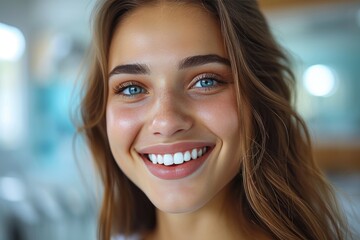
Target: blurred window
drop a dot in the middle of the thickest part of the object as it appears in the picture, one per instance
(12, 107)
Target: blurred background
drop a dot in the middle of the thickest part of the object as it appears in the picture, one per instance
(48, 189)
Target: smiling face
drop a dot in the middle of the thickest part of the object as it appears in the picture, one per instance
(171, 115)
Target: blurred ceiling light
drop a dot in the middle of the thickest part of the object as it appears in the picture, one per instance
(12, 43)
(319, 80)
(12, 189)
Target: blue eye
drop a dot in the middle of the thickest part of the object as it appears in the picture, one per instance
(132, 90)
(129, 89)
(206, 83)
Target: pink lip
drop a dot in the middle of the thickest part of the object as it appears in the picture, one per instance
(174, 148)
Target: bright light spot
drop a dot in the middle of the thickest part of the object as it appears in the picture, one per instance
(11, 118)
(319, 80)
(11, 189)
(12, 43)
(12, 105)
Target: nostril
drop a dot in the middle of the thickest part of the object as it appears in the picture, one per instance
(168, 125)
(168, 133)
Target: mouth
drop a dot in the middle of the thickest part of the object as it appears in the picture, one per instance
(177, 158)
(176, 161)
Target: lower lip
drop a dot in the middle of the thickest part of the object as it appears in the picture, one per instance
(175, 171)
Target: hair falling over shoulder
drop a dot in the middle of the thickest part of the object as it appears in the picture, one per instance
(279, 188)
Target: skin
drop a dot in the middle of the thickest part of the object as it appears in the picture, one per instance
(171, 106)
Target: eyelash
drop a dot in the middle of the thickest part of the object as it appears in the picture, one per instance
(119, 89)
(208, 76)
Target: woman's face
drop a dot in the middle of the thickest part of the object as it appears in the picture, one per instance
(171, 114)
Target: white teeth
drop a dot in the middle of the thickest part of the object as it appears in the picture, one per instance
(168, 160)
(187, 156)
(160, 159)
(177, 158)
(194, 154)
(153, 158)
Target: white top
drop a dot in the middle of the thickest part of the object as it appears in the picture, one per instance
(122, 237)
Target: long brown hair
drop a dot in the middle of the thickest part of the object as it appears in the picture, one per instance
(279, 187)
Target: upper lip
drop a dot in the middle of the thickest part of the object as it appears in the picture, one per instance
(173, 148)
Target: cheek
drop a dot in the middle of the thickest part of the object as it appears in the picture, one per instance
(122, 128)
(220, 116)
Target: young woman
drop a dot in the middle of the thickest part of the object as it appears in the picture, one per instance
(187, 112)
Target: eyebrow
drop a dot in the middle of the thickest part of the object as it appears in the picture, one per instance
(130, 69)
(198, 60)
(188, 62)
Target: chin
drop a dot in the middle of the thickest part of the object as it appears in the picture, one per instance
(179, 208)
(174, 204)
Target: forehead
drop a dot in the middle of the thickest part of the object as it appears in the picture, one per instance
(171, 30)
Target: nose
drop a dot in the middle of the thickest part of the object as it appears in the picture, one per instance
(170, 116)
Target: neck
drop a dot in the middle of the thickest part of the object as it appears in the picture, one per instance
(213, 221)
